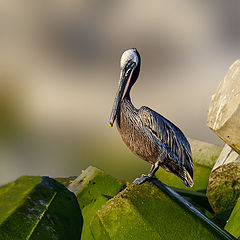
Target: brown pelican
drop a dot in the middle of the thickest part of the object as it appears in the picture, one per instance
(148, 134)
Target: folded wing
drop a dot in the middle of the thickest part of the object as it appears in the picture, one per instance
(170, 135)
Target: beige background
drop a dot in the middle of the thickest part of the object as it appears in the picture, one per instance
(59, 69)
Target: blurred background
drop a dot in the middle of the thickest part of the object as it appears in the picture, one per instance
(59, 69)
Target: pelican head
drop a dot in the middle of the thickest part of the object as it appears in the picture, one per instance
(130, 67)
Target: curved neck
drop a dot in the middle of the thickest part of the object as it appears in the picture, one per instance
(127, 94)
(126, 108)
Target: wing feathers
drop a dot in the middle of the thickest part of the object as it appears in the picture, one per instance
(171, 136)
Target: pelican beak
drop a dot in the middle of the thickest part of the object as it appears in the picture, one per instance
(125, 78)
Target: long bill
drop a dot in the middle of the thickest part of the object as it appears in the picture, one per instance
(125, 78)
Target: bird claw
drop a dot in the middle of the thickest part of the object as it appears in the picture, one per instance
(143, 179)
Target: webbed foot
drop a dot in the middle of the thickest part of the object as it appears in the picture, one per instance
(143, 179)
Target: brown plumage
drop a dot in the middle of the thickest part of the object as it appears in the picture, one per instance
(148, 134)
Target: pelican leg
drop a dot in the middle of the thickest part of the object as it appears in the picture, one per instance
(153, 169)
(144, 177)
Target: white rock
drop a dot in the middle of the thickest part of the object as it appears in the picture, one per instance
(227, 155)
(224, 109)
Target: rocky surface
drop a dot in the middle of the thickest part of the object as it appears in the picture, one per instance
(224, 108)
(38, 208)
(145, 212)
(93, 188)
(224, 183)
(65, 180)
(204, 153)
(233, 224)
(227, 155)
(42, 208)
